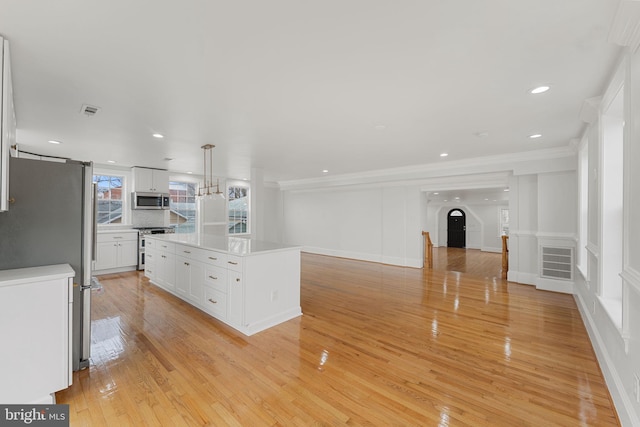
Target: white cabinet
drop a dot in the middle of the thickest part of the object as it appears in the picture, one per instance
(189, 278)
(250, 293)
(116, 251)
(150, 180)
(160, 259)
(36, 312)
(7, 122)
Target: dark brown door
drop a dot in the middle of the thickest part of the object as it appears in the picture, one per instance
(456, 229)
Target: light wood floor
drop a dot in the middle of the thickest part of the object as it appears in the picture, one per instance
(377, 345)
(471, 261)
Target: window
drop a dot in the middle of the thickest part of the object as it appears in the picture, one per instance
(183, 206)
(583, 177)
(238, 209)
(612, 209)
(504, 221)
(109, 203)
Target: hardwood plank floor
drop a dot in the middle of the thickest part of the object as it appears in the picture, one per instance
(471, 261)
(377, 345)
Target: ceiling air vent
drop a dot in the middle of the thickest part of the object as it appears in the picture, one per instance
(89, 110)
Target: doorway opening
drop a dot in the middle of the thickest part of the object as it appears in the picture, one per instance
(456, 229)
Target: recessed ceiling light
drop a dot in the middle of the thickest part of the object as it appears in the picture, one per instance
(53, 141)
(111, 161)
(189, 172)
(486, 200)
(457, 198)
(445, 200)
(158, 135)
(535, 135)
(506, 189)
(540, 89)
(436, 193)
(444, 154)
(379, 127)
(325, 171)
(482, 134)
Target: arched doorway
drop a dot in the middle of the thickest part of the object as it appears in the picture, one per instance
(456, 229)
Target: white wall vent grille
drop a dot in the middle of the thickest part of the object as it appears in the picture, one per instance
(557, 263)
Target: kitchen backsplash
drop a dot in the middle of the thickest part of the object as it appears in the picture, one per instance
(150, 218)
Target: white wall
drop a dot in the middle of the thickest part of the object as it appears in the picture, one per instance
(354, 223)
(523, 244)
(482, 222)
(616, 345)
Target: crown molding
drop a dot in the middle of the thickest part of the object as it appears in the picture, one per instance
(418, 174)
(625, 29)
(589, 110)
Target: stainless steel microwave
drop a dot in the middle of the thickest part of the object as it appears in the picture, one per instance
(140, 200)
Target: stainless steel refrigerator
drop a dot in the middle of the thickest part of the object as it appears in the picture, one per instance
(51, 221)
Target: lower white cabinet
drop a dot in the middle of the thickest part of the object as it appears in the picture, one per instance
(36, 311)
(160, 264)
(252, 292)
(116, 250)
(189, 279)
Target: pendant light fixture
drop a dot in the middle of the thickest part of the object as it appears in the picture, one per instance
(205, 189)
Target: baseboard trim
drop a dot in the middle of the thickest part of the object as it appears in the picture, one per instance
(381, 259)
(621, 400)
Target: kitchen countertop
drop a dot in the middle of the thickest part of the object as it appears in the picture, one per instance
(232, 245)
(25, 275)
(116, 230)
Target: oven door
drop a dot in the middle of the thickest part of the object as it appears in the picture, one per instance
(140, 251)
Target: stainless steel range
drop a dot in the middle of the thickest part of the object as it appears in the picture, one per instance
(142, 232)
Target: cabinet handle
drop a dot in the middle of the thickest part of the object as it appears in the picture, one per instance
(187, 252)
(164, 246)
(213, 301)
(237, 279)
(149, 256)
(117, 237)
(212, 277)
(115, 244)
(186, 263)
(149, 271)
(232, 263)
(213, 258)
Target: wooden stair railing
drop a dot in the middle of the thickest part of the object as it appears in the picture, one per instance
(428, 250)
(505, 256)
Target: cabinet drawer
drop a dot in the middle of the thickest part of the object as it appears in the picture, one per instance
(163, 246)
(214, 258)
(188, 252)
(215, 303)
(115, 237)
(234, 263)
(216, 278)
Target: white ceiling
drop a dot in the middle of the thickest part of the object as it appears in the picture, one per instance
(297, 87)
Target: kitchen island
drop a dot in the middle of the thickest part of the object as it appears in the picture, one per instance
(250, 285)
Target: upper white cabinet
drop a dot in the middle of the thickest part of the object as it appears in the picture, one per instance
(7, 122)
(152, 180)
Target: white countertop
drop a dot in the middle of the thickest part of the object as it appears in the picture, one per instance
(116, 230)
(232, 245)
(19, 276)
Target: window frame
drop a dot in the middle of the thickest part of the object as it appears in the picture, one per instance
(247, 220)
(124, 216)
(194, 186)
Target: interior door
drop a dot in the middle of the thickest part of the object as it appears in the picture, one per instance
(456, 228)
